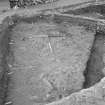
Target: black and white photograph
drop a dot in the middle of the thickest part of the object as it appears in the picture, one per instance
(52, 52)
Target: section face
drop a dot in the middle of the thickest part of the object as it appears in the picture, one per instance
(95, 66)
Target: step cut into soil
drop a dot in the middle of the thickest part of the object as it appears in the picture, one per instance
(92, 9)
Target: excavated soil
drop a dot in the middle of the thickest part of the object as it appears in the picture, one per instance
(45, 59)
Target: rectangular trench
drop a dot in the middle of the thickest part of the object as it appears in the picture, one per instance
(56, 54)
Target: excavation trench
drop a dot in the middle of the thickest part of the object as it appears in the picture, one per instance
(27, 53)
